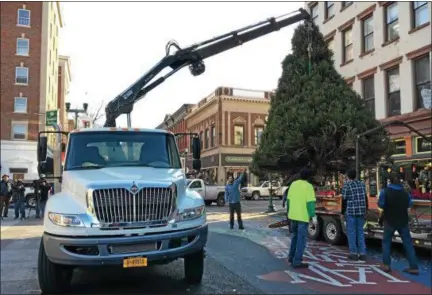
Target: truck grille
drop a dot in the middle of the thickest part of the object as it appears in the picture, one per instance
(119, 205)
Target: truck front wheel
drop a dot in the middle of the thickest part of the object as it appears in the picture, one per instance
(53, 278)
(220, 200)
(194, 267)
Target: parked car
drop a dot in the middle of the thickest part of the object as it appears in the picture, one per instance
(262, 191)
(210, 193)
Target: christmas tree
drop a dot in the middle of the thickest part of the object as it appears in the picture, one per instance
(315, 116)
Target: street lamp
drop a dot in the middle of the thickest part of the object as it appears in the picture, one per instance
(76, 111)
(271, 207)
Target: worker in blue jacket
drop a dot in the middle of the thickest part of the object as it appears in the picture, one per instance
(232, 197)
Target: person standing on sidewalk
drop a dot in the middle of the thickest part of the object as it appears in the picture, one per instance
(232, 197)
(19, 196)
(5, 195)
(301, 209)
(44, 189)
(395, 202)
(355, 197)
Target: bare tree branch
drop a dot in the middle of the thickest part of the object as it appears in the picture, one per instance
(96, 115)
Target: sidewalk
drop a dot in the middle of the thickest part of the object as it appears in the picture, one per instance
(9, 221)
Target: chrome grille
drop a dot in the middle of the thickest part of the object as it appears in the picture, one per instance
(118, 205)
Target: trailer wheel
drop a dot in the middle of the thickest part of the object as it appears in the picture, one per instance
(30, 201)
(53, 278)
(332, 231)
(194, 267)
(314, 232)
(220, 200)
(256, 196)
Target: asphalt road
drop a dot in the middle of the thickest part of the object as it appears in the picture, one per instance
(238, 262)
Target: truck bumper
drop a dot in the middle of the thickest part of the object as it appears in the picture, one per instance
(97, 251)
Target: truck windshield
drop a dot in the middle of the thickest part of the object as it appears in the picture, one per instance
(92, 150)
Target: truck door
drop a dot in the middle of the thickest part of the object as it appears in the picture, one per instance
(197, 186)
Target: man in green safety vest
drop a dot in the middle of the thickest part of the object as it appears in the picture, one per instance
(301, 209)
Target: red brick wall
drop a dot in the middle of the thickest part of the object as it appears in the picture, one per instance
(9, 34)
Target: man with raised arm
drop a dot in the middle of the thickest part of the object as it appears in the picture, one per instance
(232, 197)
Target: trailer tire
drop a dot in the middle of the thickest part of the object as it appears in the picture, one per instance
(315, 232)
(256, 196)
(220, 201)
(31, 201)
(194, 267)
(332, 231)
(53, 278)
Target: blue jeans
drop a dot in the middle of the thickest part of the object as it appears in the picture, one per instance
(40, 208)
(19, 208)
(299, 231)
(355, 233)
(405, 235)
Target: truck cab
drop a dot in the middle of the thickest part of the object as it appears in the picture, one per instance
(123, 201)
(210, 193)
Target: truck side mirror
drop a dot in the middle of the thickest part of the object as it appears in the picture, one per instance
(196, 148)
(42, 148)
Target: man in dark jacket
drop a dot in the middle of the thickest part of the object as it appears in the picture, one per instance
(5, 195)
(395, 202)
(19, 197)
(42, 197)
(232, 197)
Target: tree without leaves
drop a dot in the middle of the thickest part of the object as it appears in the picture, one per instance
(314, 118)
(96, 114)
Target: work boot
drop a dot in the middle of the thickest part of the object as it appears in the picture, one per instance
(362, 257)
(385, 268)
(353, 257)
(241, 227)
(412, 271)
(301, 265)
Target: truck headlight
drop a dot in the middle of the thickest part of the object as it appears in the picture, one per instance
(191, 213)
(68, 220)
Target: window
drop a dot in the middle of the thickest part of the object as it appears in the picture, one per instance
(423, 82)
(21, 75)
(258, 134)
(207, 138)
(196, 184)
(201, 140)
(22, 46)
(392, 22)
(329, 9)
(393, 92)
(400, 146)
(20, 105)
(330, 46)
(420, 13)
(346, 3)
(314, 13)
(369, 93)
(23, 17)
(239, 135)
(213, 136)
(368, 34)
(19, 130)
(347, 45)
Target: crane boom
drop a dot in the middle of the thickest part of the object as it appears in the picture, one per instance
(193, 57)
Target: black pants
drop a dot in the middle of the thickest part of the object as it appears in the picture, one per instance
(235, 207)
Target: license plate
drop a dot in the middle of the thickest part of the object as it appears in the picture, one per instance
(135, 262)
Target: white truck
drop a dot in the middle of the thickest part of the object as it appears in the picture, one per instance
(262, 191)
(123, 201)
(210, 193)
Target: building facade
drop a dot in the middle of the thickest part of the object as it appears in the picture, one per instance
(64, 80)
(29, 80)
(383, 49)
(176, 123)
(230, 123)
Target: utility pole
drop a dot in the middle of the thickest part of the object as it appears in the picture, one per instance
(76, 111)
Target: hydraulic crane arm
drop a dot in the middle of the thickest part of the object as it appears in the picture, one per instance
(193, 57)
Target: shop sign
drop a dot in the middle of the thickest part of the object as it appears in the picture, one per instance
(236, 159)
(400, 146)
(423, 146)
(51, 117)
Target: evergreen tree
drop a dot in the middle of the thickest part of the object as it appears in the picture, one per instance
(315, 116)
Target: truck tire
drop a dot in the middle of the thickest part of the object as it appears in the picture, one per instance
(315, 232)
(53, 278)
(194, 267)
(332, 231)
(30, 201)
(256, 196)
(220, 201)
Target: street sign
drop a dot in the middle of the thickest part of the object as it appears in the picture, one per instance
(51, 118)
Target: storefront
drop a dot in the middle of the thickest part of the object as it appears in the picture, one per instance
(209, 168)
(234, 164)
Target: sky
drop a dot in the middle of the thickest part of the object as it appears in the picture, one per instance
(112, 44)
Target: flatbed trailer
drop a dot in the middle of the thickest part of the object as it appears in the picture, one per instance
(332, 226)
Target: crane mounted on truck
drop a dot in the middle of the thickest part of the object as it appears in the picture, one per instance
(123, 198)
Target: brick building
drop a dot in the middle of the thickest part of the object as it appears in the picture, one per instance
(230, 122)
(176, 123)
(29, 80)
